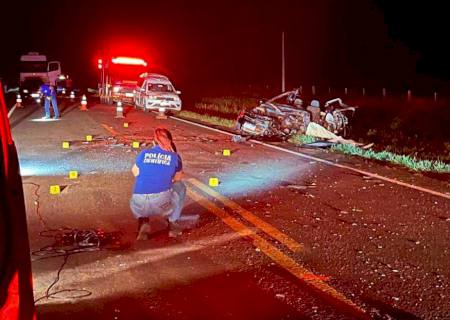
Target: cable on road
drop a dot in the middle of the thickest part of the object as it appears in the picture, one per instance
(67, 242)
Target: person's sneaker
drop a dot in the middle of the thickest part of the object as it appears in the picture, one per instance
(175, 230)
(144, 230)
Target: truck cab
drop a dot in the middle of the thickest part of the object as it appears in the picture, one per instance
(35, 65)
(157, 93)
(35, 70)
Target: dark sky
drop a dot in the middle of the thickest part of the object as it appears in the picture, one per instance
(223, 43)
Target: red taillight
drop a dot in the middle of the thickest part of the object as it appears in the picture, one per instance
(130, 61)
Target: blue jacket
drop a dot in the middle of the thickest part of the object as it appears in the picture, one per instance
(47, 90)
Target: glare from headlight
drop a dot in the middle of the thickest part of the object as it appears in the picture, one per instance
(25, 91)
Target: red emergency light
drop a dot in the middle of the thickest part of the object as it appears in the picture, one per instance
(129, 61)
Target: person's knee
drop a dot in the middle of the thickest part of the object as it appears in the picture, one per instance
(180, 188)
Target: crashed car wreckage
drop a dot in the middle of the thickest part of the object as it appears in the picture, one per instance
(284, 115)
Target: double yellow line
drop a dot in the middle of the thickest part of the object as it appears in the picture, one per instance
(315, 282)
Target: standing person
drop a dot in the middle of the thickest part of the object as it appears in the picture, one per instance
(49, 93)
(158, 190)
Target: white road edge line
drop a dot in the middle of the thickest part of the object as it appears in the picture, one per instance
(302, 155)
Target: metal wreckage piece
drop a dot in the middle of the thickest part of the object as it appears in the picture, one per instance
(284, 115)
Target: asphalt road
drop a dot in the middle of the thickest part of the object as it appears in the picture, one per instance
(282, 236)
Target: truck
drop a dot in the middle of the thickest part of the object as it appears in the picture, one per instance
(118, 78)
(35, 69)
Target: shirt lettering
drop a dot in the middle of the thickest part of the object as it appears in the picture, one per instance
(157, 158)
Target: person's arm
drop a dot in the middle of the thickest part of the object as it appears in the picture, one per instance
(135, 170)
(179, 171)
(178, 176)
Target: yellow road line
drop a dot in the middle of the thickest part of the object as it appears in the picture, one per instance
(307, 277)
(110, 129)
(250, 217)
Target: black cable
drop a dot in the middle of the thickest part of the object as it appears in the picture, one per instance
(66, 242)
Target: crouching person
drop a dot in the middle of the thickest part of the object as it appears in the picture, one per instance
(158, 190)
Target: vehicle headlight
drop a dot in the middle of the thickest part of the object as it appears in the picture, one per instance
(25, 91)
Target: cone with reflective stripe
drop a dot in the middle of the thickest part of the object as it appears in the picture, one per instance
(19, 101)
(119, 110)
(83, 105)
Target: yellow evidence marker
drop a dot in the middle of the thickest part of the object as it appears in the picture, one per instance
(213, 182)
(66, 145)
(136, 144)
(125, 124)
(55, 189)
(227, 152)
(88, 138)
(73, 174)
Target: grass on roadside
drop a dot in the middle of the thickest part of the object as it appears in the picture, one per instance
(403, 160)
(226, 105)
(302, 139)
(208, 119)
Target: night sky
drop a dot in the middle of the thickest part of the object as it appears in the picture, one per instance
(224, 44)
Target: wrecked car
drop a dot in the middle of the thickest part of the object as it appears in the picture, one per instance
(284, 115)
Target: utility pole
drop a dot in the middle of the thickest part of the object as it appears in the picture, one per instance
(283, 65)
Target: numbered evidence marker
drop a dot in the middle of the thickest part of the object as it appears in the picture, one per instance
(65, 145)
(55, 189)
(136, 144)
(125, 124)
(88, 138)
(213, 182)
(73, 174)
(227, 152)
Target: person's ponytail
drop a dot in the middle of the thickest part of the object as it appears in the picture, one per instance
(164, 139)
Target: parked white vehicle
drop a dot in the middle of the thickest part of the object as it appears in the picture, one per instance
(157, 93)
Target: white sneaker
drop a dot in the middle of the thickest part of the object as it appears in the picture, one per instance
(175, 230)
(144, 230)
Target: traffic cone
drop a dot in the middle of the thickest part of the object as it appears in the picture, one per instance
(161, 113)
(119, 110)
(19, 101)
(83, 106)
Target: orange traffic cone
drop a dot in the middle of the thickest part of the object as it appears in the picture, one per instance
(83, 106)
(119, 110)
(19, 101)
(161, 113)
